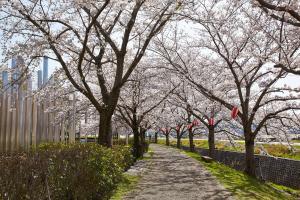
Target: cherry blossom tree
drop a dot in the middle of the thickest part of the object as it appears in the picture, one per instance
(285, 11)
(180, 130)
(177, 122)
(166, 121)
(98, 44)
(231, 50)
(140, 99)
(166, 132)
(286, 22)
(205, 112)
(207, 116)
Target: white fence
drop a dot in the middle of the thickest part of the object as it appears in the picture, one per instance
(26, 122)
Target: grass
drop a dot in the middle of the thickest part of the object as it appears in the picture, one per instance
(243, 186)
(148, 155)
(276, 150)
(127, 184)
(150, 152)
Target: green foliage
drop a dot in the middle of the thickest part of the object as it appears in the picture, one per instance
(282, 151)
(124, 157)
(245, 187)
(127, 184)
(58, 171)
(122, 141)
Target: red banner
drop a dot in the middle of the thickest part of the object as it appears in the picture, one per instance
(196, 122)
(211, 121)
(234, 112)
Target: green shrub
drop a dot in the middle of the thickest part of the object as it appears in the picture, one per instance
(122, 141)
(57, 171)
(124, 153)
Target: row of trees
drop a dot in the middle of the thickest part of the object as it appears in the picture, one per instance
(162, 64)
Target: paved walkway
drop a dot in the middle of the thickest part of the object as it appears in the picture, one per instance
(171, 175)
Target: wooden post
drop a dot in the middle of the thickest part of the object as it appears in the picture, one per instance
(52, 120)
(56, 126)
(34, 123)
(45, 122)
(27, 127)
(3, 122)
(42, 123)
(8, 124)
(18, 123)
(23, 122)
(72, 121)
(14, 139)
(13, 130)
(21, 128)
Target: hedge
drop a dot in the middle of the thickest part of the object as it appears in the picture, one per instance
(57, 171)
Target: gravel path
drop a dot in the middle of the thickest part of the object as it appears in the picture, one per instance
(171, 175)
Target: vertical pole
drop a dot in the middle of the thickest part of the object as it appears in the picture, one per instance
(57, 124)
(5, 86)
(38, 123)
(42, 134)
(23, 112)
(14, 106)
(46, 122)
(34, 123)
(28, 115)
(73, 121)
(50, 121)
(3, 122)
(8, 124)
(16, 122)
(25, 124)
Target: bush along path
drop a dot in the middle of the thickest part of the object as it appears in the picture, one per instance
(58, 171)
(172, 175)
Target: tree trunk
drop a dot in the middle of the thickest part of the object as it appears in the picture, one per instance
(143, 140)
(155, 137)
(249, 157)
(104, 135)
(191, 141)
(143, 135)
(167, 140)
(211, 141)
(137, 147)
(178, 141)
